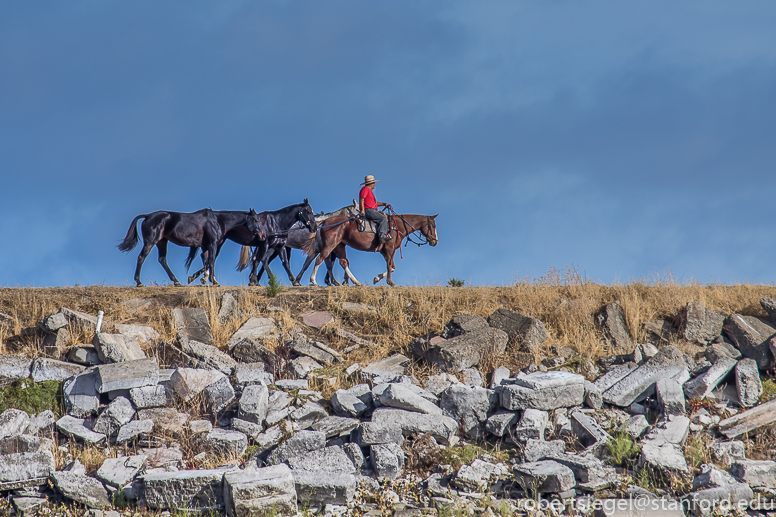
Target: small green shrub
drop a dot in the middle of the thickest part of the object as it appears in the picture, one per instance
(32, 397)
(622, 449)
(456, 282)
(769, 390)
(273, 287)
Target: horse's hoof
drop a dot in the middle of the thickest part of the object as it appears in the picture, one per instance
(191, 279)
(296, 284)
(391, 284)
(216, 283)
(139, 284)
(177, 284)
(376, 279)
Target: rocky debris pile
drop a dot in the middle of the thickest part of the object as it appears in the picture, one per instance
(241, 431)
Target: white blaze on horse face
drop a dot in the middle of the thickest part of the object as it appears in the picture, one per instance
(350, 275)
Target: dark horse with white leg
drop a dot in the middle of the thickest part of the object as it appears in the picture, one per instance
(278, 226)
(233, 227)
(341, 232)
(199, 230)
(299, 235)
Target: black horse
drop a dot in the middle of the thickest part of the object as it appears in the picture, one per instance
(198, 230)
(299, 235)
(278, 227)
(233, 227)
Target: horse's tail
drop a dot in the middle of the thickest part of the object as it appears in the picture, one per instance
(130, 241)
(308, 248)
(190, 258)
(245, 257)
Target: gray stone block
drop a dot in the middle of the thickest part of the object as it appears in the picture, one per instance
(611, 319)
(670, 396)
(13, 422)
(254, 329)
(223, 441)
(727, 452)
(305, 416)
(13, 367)
(640, 383)
(544, 477)
(79, 319)
(538, 449)
(499, 423)
(192, 324)
(473, 377)
(467, 350)
(188, 490)
(372, 433)
(313, 489)
(219, 395)
(84, 354)
(118, 413)
(386, 369)
(593, 396)
(120, 471)
(751, 336)
(252, 373)
(356, 455)
(133, 430)
(258, 492)
(499, 375)
(701, 325)
(514, 397)
(75, 427)
(469, 407)
(523, 331)
(299, 444)
(166, 420)
(247, 428)
(347, 404)
(254, 403)
(463, 323)
(302, 366)
(636, 426)
(749, 420)
(748, 384)
(335, 426)
(208, 356)
(144, 335)
(387, 460)
(442, 428)
(116, 348)
(80, 395)
(24, 466)
(190, 382)
(81, 488)
(323, 461)
(532, 424)
(54, 322)
(229, 308)
(151, 396)
(700, 387)
(127, 375)
(311, 350)
(589, 433)
(400, 397)
(755, 473)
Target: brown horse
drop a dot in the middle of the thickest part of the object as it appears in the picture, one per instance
(341, 231)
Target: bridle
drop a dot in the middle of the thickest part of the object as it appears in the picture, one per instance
(300, 216)
(422, 238)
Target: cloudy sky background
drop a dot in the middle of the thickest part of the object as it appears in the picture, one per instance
(624, 139)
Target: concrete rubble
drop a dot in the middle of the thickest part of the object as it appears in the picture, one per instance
(245, 431)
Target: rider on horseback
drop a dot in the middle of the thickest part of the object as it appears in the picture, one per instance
(368, 207)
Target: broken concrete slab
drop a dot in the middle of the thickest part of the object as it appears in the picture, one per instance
(13, 422)
(117, 348)
(666, 456)
(252, 373)
(613, 375)
(590, 472)
(699, 387)
(467, 350)
(400, 397)
(322, 461)
(469, 407)
(611, 320)
(302, 366)
(151, 396)
(250, 493)
(127, 375)
(310, 349)
(748, 384)
(749, 420)
(523, 331)
(219, 396)
(75, 427)
(442, 428)
(224, 441)
(81, 488)
(755, 473)
(166, 420)
(254, 403)
(305, 416)
(545, 391)
(345, 403)
(385, 370)
(297, 445)
(387, 460)
(54, 345)
(373, 433)
(120, 471)
(313, 489)
(670, 397)
(589, 433)
(13, 367)
(499, 423)
(192, 324)
(208, 356)
(44, 369)
(190, 382)
(536, 450)
(701, 325)
(146, 336)
(532, 424)
(750, 335)
(640, 383)
(25, 466)
(545, 476)
(84, 354)
(118, 413)
(133, 430)
(187, 490)
(254, 329)
(335, 426)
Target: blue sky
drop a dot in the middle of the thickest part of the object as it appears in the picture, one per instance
(623, 138)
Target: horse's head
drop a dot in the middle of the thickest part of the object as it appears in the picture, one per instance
(306, 215)
(429, 230)
(257, 224)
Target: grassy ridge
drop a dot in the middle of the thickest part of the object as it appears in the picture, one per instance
(565, 304)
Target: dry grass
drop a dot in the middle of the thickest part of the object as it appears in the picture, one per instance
(562, 300)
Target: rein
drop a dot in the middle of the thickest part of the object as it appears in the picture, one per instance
(409, 236)
(339, 223)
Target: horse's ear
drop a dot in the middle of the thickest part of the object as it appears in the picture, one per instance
(252, 212)
(306, 202)
(434, 216)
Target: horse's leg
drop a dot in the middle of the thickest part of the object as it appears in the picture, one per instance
(389, 267)
(329, 241)
(307, 262)
(195, 275)
(284, 260)
(273, 254)
(147, 247)
(342, 253)
(331, 279)
(162, 247)
(212, 254)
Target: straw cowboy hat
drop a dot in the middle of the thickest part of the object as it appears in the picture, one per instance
(369, 179)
